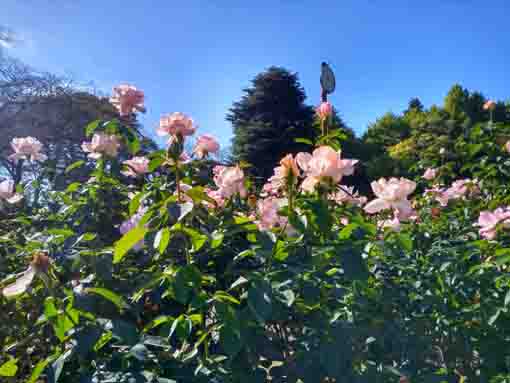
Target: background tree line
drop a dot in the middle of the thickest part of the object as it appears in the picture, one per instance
(272, 114)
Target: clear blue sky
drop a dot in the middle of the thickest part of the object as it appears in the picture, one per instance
(196, 56)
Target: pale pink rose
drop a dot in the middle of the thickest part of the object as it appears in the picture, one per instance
(267, 210)
(176, 124)
(391, 194)
(8, 192)
(457, 190)
(268, 217)
(216, 196)
(280, 179)
(127, 99)
(324, 110)
(430, 174)
(38, 267)
(346, 194)
(102, 145)
(206, 144)
(133, 222)
(270, 188)
(229, 180)
(507, 146)
(136, 166)
(488, 221)
(489, 105)
(324, 164)
(392, 224)
(27, 148)
(344, 221)
(303, 159)
(310, 183)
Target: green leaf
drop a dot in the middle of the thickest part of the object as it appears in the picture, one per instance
(158, 321)
(91, 127)
(260, 299)
(134, 204)
(39, 368)
(156, 162)
(223, 296)
(56, 367)
(162, 239)
(346, 232)
(198, 240)
(73, 187)
(50, 309)
(301, 140)
(116, 299)
(230, 338)
(63, 323)
(217, 239)
(9, 368)
(74, 165)
(139, 351)
(198, 195)
(126, 243)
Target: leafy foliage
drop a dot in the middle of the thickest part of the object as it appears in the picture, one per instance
(197, 291)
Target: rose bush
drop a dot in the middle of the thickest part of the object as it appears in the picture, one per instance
(151, 272)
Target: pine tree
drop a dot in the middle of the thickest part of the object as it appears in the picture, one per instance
(269, 117)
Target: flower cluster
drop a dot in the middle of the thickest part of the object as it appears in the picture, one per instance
(102, 145)
(346, 194)
(136, 166)
(489, 221)
(27, 148)
(323, 166)
(176, 125)
(206, 144)
(392, 194)
(8, 192)
(457, 190)
(127, 99)
(230, 181)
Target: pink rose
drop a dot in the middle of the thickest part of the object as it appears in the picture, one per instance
(206, 144)
(136, 166)
(127, 99)
(27, 148)
(39, 266)
(391, 194)
(280, 179)
(102, 145)
(488, 221)
(176, 124)
(216, 196)
(270, 188)
(324, 110)
(324, 164)
(392, 224)
(430, 174)
(489, 105)
(229, 180)
(507, 146)
(346, 194)
(8, 192)
(267, 211)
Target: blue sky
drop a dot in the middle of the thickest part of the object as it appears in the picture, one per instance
(196, 56)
